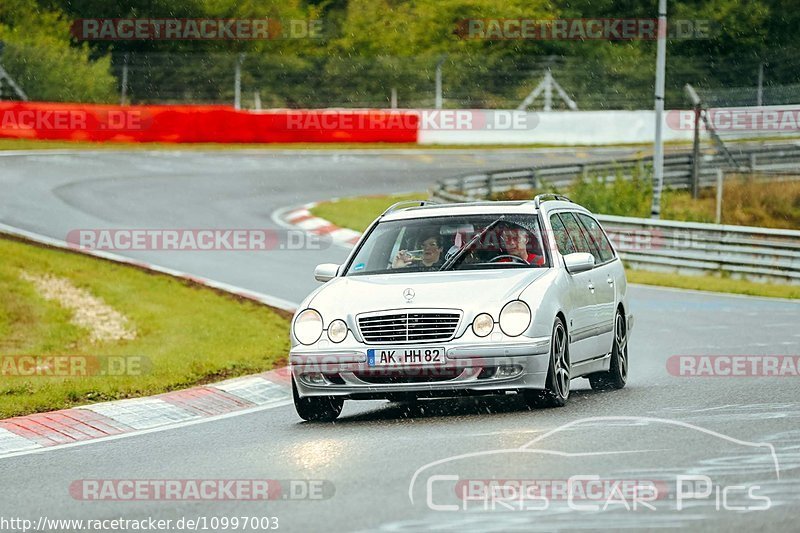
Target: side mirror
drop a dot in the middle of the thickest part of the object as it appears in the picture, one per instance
(579, 262)
(325, 272)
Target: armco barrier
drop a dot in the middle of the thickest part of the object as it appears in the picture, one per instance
(778, 161)
(759, 254)
(195, 124)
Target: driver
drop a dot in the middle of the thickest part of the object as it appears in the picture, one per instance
(431, 254)
(515, 242)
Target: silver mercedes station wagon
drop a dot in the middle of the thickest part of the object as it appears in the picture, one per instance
(474, 298)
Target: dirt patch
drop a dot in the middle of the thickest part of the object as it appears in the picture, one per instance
(105, 324)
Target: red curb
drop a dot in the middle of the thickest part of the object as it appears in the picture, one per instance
(301, 218)
(206, 401)
(326, 229)
(281, 376)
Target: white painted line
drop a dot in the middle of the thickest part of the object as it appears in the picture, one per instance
(178, 425)
(344, 234)
(11, 442)
(256, 390)
(145, 413)
(279, 218)
(294, 215)
(313, 223)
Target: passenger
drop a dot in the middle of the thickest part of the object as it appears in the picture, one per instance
(431, 254)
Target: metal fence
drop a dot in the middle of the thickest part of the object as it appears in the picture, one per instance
(758, 254)
(480, 80)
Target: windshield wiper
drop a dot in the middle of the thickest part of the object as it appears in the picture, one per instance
(450, 262)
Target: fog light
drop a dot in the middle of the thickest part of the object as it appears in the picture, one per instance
(507, 371)
(314, 378)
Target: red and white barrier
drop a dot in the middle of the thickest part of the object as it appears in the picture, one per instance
(221, 124)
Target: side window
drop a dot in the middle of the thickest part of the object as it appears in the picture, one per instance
(576, 233)
(597, 237)
(563, 242)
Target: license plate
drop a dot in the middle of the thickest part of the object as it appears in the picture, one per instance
(405, 356)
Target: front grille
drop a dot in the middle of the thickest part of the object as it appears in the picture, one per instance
(400, 378)
(417, 327)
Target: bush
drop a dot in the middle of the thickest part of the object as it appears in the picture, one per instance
(39, 57)
(615, 197)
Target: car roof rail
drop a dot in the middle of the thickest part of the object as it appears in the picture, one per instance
(408, 203)
(550, 196)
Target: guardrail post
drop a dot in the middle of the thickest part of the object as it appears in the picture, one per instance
(535, 180)
(720, 182)
(489, 185)
(696, 154)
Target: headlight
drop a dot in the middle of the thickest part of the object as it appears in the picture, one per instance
(308, 326)
(337, 331)
(482, 325)
(515, 318)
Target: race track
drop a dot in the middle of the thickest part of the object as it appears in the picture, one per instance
(378, 459)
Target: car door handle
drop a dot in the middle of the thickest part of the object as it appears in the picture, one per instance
(610, 281)
(591, 286)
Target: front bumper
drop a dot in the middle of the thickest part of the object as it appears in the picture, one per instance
(512, 364)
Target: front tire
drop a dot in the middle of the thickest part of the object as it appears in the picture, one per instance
(556, 392)
(317, 408)
(617, 375)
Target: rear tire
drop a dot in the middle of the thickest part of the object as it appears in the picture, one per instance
(556, 392)
(617, 374)
(317, 408)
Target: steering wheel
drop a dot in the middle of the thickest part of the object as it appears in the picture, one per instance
(514, 258)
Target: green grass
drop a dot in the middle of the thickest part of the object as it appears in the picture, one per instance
(36, 144)
(40, 144)
(187, 334)
(358, 213)
(713, 284)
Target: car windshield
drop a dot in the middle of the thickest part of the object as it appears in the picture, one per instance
(467, 242)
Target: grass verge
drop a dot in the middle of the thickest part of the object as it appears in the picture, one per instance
(713, 284)
(357, 213)
(187, 335)
(41, 144)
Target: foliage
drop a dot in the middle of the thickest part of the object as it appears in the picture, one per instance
(38, 55)
(369, 47)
